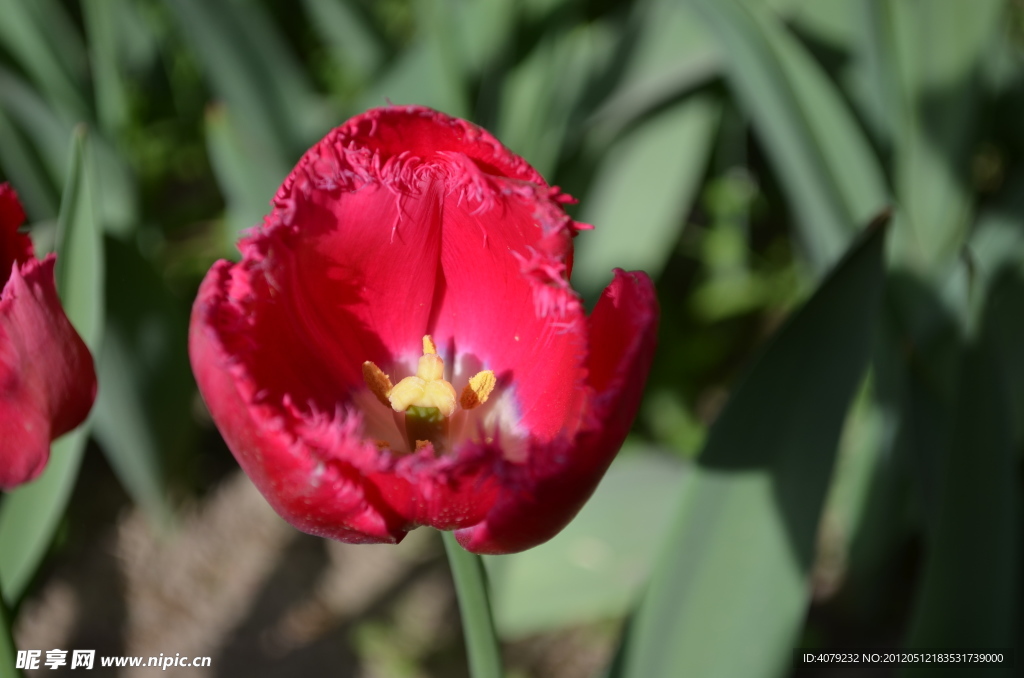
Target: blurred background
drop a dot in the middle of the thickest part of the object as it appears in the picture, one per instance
(733, 149)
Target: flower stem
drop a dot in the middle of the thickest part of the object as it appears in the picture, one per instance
(7, 648)
(475, 607)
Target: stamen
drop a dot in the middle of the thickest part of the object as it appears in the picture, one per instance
(427, 399)
(477, 390)
(378, 382)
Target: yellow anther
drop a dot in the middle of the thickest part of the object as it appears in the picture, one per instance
(428, 344)
(378, 382)
(477, 390)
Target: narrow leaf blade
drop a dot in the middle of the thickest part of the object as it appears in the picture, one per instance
(733, 574)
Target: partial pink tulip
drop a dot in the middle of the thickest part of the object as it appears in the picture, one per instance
(47, 379)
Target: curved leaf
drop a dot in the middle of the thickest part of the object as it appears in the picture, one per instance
(730, 591)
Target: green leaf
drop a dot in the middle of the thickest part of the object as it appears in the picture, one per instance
(970, 593)
(997, 248)
(920, 69)
(8, 651)
(474, 605)
(253, 73)
(79, 269)
(483, 31)
(23, 169)
(825, 164)
(101, 18)
(734, 571)
(39, 123)
(41, 37)
(429, 72)
(30, 514)
(595, 567)
(418, 77)
(538, 101)
(349, 34)
(246, 171)
(48, 132)
(642, 192)
(122, 430)
(143, 413)
(667, 54)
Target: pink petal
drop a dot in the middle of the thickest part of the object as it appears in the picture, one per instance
(47, 379)
(541, 498)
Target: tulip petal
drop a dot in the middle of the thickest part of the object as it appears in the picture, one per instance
(47, 378)
(323, 495)
(15, 248)
(546, 494)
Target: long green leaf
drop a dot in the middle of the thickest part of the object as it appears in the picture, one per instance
(248, 177)
(474, 604)
(22, 167)
(48, 131)
(538, 101)
(8, 651)
(822, 159)
(79, 269)
(668, 53)
(30, 514)
(253, 73)
(643, 191)
(349, 34)
(730, 590)
(921, 65)
(39, 34)
(970, 592)
(111, 97)
(596, 566)
(143, 414)
(122, 430)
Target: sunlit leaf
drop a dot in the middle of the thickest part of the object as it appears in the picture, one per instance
(538, 101)
(730, 589)
(821, 156)
(39, 34)
(921, 66)
(247, 173)
(643, 191)
(668, 53)
(595, 568)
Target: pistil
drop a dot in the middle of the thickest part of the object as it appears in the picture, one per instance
(426, 398)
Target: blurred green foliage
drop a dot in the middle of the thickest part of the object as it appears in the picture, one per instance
(732, 148)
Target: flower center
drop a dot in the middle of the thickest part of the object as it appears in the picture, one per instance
(426, 399)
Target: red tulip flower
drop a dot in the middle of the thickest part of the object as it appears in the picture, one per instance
(400, 345)
(47, 379)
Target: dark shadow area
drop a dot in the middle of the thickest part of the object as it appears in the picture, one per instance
(254, 649)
